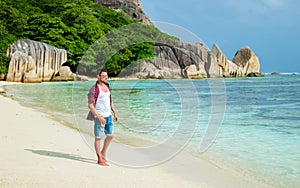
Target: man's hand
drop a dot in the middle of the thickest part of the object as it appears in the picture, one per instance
(101, 119)
(115, 117)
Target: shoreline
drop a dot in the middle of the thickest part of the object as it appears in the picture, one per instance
(37, 150)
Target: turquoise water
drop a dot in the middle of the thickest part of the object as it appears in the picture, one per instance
(250, 124)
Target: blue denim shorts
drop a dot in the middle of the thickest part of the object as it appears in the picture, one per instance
(108, 129)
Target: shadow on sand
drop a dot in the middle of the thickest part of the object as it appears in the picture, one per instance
(61, 155)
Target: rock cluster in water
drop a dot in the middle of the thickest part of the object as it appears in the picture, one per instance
(185, 60)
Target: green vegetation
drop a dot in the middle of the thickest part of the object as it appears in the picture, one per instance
(89, 32)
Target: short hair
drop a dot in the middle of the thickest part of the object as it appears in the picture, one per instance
(102, 70)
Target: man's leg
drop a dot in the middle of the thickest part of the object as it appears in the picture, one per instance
(98, 135)
(109, 131)
(106, 143)
(101, 161)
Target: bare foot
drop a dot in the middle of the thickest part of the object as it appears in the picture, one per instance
(102, 163)
(101, 158)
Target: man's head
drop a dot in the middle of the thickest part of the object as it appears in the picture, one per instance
(102, 76)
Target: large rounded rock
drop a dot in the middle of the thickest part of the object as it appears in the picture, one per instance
(64, 74)
(243, 63)
(33, 61)
(245, 57)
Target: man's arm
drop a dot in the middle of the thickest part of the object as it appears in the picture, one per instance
(95, 113)
(114, 111)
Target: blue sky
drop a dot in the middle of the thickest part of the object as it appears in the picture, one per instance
(271, 28)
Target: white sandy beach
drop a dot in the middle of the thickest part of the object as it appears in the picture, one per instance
(37, 151)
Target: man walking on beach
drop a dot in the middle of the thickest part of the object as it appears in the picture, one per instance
(100, 105)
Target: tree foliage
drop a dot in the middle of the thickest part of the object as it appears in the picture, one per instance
(7, 39)
(78, 26)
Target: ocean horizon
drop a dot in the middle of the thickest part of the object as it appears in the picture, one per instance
(251, 125)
